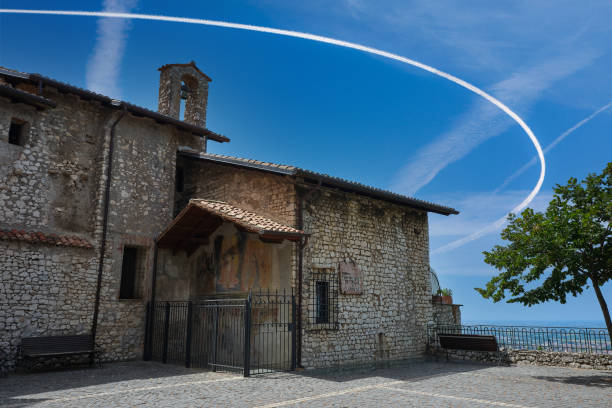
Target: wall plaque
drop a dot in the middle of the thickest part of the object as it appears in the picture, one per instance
(351, 279)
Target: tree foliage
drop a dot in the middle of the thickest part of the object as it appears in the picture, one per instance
(556, 253)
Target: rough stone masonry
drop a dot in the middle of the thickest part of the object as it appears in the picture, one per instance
(86, 180)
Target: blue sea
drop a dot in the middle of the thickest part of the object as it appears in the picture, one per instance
(589, 336)
(540, 323)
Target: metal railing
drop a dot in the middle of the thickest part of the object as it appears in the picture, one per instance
(251, 335)
(557, 339)
(207, 334)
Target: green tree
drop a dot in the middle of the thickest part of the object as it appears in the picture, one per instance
(559, 252)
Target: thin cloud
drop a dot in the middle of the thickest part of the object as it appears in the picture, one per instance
(490, 40)
(555, 142)
(103, 67)
(479, 208)
(477, 211)
(482, 122)
(489, 202)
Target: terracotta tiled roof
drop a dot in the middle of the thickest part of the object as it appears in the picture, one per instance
(325, 179)
(42, 238)
(244, 218)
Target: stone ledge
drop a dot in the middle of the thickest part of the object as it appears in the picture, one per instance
(534, 357)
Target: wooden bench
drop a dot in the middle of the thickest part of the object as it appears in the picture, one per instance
(58, 346)
(472, 342)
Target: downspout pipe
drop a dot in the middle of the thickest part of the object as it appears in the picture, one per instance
(301, 245)
(148, 346)
(105, 210)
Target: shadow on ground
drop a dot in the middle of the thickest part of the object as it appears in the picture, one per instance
(14, 387)
(18, 390)
(409, 371)
(600, 381)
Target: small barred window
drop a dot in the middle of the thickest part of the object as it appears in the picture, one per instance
(323, 299)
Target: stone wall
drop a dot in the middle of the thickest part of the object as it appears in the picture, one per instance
(270, 195)
(444, 314)
(141, 207)
(55, 183)
(390, 245)
(534, 357)
(44, 290)
(50, 182)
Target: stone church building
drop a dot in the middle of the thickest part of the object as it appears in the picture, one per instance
(106, 207)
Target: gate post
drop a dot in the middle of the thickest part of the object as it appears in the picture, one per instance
(247, 336)
(215, 335)
(293, 332)
(146, 355)
(166, 330)
(188, 336)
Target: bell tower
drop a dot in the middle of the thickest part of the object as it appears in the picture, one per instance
(183, 93)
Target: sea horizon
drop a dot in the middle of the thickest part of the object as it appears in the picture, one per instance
(592, 324)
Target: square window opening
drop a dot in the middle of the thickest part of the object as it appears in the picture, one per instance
(132, 272)
(17, 132)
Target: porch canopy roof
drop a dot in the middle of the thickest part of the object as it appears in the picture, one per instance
(200, 218)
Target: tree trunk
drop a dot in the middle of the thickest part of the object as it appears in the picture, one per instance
(604, 307)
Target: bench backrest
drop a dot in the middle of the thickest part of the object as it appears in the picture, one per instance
(57, 344)
(473, 342)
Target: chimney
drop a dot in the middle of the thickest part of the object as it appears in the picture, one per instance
(185, 82)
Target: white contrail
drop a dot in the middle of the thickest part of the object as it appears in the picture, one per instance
(555, 142)
(477, 234)
(326, 40)
(498, 223)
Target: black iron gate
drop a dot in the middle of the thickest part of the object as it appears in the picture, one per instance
(250, 335)
(272, 332)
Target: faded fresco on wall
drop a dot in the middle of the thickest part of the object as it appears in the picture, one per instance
(205, 282)
(258, 264)
(242, 263)
(228, 252)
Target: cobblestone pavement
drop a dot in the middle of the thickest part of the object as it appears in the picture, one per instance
(421, 384)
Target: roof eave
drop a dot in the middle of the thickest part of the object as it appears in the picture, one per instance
(287, 233)
(25, 97)
(111, 103)
(330, 181)
(379, 194)
(238, 163)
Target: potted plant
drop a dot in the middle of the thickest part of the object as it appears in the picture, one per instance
(447, 296)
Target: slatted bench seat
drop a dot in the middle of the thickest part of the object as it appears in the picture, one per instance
(472, 342)
(58, 346)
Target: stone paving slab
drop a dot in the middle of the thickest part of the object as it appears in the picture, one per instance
(423, 384)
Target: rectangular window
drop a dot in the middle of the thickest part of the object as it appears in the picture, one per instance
(131, 272)
(17, 132)
(323, 303)
(179, 182)
(322, 311)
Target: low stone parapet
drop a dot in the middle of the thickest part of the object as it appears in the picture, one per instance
(533, 357)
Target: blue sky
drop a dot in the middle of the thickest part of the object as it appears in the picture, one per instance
(366, 118)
